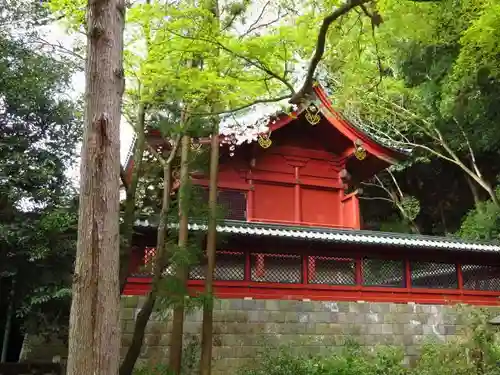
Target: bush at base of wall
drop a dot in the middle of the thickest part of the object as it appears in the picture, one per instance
(476, 352)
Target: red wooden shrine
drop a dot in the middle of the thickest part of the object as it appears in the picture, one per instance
(293, 225)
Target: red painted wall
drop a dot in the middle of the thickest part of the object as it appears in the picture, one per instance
(288, 184)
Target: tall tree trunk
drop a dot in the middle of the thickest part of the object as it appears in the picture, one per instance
(8, 322)
(160, 262)
(176, 337)
(94, 331)
(208, 308)
(129, 214)
(473, 189)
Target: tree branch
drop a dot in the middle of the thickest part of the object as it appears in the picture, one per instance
(242, 107)
(257, 64)
(123, 177)
(320, 46)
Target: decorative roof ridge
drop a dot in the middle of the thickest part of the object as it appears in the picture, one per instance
(340, 235)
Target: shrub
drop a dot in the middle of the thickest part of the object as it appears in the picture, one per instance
(475, 352)
(352, 360)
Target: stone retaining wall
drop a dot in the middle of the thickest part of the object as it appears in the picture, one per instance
(241, 327)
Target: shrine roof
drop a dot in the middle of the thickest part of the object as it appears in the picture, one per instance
(341, 236)
(246, 125)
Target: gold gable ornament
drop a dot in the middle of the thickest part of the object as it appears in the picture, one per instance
(312, 114)
(265, 140)
(359, 150)
(195, 145)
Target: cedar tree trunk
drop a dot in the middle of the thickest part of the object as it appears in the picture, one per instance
(207, 327)
(181, 272)
(94, 331)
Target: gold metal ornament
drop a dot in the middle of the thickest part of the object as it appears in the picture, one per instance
(360, 152)
(265, 140)
(312, 114)
(195, 145)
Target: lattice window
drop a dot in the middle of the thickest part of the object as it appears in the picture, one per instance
(331, 270)
(234, 204)
(276, 268)
(434, 275)
(147, 263)
(481, 277)
(229, 266)
(379, 272)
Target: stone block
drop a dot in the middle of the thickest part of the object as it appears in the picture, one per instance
(375, 329)
(355, 307)
(288, 305)
(256, 327)
(398, 328)
(254, 316)
(356, 318)
(373, 318)
(194, 316)
(414, 329)
(305, 306)
(277, 316)
(236, 304)
(304, 317)
(450, 329)
(292, 328)
(140, 301)
(292, 317)
(126, 339)
(272, 305)
(152, 339)
(322, 317)
(249, 304)
(343, 307)
(354, 329)
(128, 313)
(192, 327)
(389, 318)
(387, 329)
(232, 340)
(129, 301)
(342, 318)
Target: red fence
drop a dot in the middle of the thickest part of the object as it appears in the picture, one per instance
(294, 276)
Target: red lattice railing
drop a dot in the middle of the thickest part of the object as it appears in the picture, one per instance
(331, 270)
(382, 272)
(258, 268)
(276, 268)
(434, 275)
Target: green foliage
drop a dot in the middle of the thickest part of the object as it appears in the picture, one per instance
(476, 352)
(352, 360)
(39, 131)
(482, 222)
(190, 361)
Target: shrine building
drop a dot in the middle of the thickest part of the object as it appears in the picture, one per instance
(293, 230)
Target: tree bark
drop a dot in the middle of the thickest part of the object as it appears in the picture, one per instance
(8, 323)
(129, 214)
(94, 332)
(161, 258)
(207, 327)
(176, 337)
